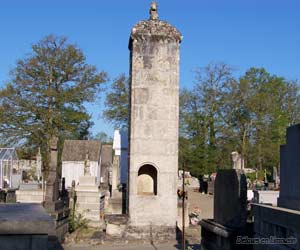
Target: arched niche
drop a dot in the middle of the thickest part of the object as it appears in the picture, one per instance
(147, 180)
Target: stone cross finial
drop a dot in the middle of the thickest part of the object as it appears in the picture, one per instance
(153, 11)
(87, 170)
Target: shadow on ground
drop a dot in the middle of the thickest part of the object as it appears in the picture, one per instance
(188, 245)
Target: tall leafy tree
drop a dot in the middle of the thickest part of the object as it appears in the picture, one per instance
(46, 94)
(117, 102)
(222, 114)
(103, 137)
(202, 117)
(259, 107)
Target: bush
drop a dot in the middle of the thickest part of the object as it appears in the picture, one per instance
(77, 221)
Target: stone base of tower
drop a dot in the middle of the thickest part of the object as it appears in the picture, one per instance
(151, 232)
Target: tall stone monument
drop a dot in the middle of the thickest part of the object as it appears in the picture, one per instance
(153, 137)
(53, 203)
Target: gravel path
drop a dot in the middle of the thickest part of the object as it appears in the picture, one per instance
(193, 233)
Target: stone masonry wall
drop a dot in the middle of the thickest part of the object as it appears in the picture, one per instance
(154, 128)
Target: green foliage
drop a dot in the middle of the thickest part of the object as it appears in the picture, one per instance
(201, 120)
(77, 221)
(103, 137)
(117, 103)
(222, 114)
(251, 176)
(46, 94)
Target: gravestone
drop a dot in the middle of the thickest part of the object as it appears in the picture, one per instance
(230, 199)
(88, 196)
(238, 160)
(145, 185)
(289, 196)
(114, 203)
(275, 177)
(230, 213)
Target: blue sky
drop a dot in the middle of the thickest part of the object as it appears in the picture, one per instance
(242, 33)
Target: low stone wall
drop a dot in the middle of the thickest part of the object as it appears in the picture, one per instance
(276, 222)
(151, 232)
(266, 197)
(29, 196)
(118, 225)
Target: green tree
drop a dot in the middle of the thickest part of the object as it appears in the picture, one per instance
(46, 94)
(221, 114)
(117, 102)
(258, 110)
(103, 137)
(201, 116)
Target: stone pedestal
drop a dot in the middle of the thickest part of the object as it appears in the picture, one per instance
(116, 225)
(114, 204)
(87, 183)
(88, 198)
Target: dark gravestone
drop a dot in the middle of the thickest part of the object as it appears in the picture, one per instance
(289, 196)
(2, 196)
(230, 213)
(51, 202)
(230, 199)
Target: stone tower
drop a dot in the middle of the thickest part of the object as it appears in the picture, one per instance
(153, 137)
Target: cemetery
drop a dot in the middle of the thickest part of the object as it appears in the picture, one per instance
(137, 190)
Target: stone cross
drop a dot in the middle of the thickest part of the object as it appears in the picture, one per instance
(39, 164)
(153, 11)
(52, 188)
(87, 167)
